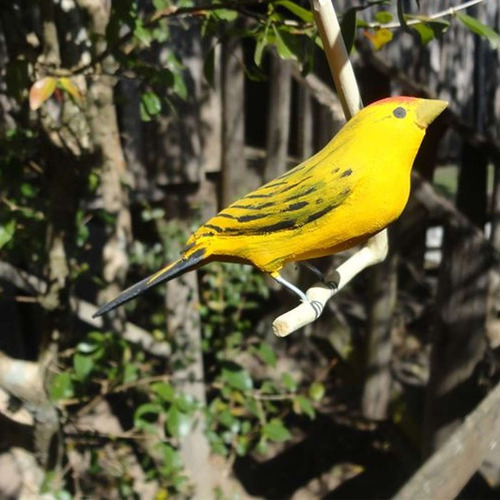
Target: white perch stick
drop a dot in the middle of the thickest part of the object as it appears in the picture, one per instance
(375, 249)
(337, 56)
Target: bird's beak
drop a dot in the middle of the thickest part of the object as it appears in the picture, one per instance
(428, 110)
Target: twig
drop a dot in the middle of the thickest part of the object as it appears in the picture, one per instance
(375, 250)
(437, 15)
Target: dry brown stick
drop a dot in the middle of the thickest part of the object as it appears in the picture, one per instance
(450, 468)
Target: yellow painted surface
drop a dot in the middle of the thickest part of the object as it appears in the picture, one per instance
(354, 187)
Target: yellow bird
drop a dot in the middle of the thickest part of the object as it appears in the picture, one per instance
(350, 190)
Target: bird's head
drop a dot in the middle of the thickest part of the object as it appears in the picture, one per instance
(406, 112)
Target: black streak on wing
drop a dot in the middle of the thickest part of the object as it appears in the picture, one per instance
(274, 184)
(319, 214)
(291, 186)
(259, 206)
(296, 206)
(284, 224)
(217, 229)
(346, 173)
(267, 195)
(250, 218)
(300, 195)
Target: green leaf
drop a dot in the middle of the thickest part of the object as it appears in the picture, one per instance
(180, 87)
(62, 387)
(348, 28)
(142, 33)
(130, 373)
(150, 105)
(151, 409)
(283, 50)
(83, 365)
(185, 403)
(303, 14)
(237, 377)
(209, 67)
(429, 29)
(7, 232)
(261, 44)
(226, 14)
(178, 423)
(164, 391)
(267, 354)
(383, 17)
(316, 391)
(40, 91)
(302, 405)
(288, 382)
(480, 29)
(276, 431)
(86, 347)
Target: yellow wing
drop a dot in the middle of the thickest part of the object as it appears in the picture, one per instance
(295, 199)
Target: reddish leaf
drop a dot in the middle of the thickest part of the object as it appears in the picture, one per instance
(41, 90)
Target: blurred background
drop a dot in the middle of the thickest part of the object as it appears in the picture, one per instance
(126, 124)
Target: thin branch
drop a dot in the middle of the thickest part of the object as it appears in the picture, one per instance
(438, 15)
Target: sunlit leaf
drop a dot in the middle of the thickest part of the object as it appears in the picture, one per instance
(237, 377)
(284, 51)
(267, 354)
(62, 386)
(276, 431)
(316, 391)
(303, 14)
(227, 15)
(429, 29)
(288, 382)
(383, 17)
(178, 423)
(40, 91)
(302, 405)
(70, 87)
(83, 365)
(164, 390)
(7, 231)
(379, 37)
(480, 29)
(259, 48)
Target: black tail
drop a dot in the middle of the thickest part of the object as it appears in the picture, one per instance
(169, 272)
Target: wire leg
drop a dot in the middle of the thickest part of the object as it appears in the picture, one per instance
(314, 270)
(291, 287)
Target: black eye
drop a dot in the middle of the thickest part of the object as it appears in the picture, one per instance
(399, 112)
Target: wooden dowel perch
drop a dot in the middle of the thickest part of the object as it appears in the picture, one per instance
(375, 250)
